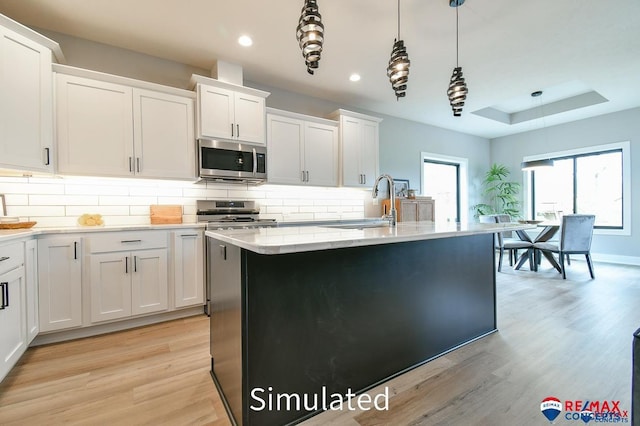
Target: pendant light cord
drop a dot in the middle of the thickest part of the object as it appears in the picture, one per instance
(457, 35)
(398, 19)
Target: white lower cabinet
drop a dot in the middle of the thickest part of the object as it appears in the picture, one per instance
(188, 265)
(128, 283)
(31, 280)
(60, 282)
(13, 318)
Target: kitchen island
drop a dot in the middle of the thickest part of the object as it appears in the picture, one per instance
(303, 315)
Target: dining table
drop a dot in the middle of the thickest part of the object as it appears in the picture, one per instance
(548, 231)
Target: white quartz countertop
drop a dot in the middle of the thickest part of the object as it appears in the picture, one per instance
(13, 234)
(292, 239)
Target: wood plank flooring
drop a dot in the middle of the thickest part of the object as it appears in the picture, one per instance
(565, 338)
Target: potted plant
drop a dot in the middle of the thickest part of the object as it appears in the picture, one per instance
(500, 194)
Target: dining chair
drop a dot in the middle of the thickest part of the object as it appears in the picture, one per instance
(576, 233)
(511, 245)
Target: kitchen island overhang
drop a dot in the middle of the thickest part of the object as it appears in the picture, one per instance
(299, 311)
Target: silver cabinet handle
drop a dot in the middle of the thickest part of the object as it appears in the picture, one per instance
(231, 129)
(126, 265)
(138, 164)
(307, 172)
(2, 259)
(364, 179)
(223, 251)
(130, 165)
(75, 250)
(302, 177)
(237, 130)
(130, 241)
(47, 159)
(4, 290)
(135, 263)
(189, 235)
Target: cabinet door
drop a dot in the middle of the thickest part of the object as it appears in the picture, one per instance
(26, 117)
(59, 283)
(321, 154)
(351, 141)
(110, 276)
(188, 269)
(149, 284)
(369, 151)
(425, 210)
(31, 282)
(249, 118)
(408, 211)
(94, 127)
(164, 138)
(285, 150)
(13, 333)
(216, 112)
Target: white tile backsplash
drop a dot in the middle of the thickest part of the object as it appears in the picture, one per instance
(59, 201)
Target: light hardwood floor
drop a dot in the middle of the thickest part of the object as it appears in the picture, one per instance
(570, 339)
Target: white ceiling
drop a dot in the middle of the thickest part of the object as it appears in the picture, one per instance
(508, 49)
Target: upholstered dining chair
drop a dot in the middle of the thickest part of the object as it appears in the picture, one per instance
(576, 234)
(510, 244)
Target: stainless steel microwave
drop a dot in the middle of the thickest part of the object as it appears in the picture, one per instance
(225, 161)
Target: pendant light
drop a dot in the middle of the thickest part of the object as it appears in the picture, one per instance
(310, 34)
(543, 163)
(457, 92)
(398, 69)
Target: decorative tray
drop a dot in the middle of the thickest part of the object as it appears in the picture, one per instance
(17, 225)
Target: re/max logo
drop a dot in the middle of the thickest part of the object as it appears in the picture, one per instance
(595, 407)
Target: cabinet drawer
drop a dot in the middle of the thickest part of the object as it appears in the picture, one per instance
(125, 241)
(11, 256)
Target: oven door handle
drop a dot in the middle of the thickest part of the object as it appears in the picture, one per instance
(255, 162)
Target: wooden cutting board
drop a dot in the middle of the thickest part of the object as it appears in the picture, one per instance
(17, 225)
(165, 214)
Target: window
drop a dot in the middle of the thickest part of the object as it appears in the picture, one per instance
(589, 181)
(443, 179)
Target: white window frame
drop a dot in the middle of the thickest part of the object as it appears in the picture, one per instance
(626, 180)
(463, 164)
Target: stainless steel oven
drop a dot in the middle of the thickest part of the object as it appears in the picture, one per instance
(232, 161)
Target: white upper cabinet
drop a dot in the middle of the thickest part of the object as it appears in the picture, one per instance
(105, 128)
(26, 118)
(302, 149)
(164, 141)
(231, 112)
(94, 127)
(359, 144)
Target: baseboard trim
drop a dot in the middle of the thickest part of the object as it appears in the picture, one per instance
(613, 258)
(95, 330)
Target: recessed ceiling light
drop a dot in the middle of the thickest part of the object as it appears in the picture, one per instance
(354, 77)
(245, 41)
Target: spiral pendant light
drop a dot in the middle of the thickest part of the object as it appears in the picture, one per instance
(398, 69)
(457, 92)
(310, 34)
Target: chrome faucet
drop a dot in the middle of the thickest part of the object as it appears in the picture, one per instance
(392, 215)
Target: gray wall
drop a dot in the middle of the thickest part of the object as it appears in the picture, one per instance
(615, 127)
